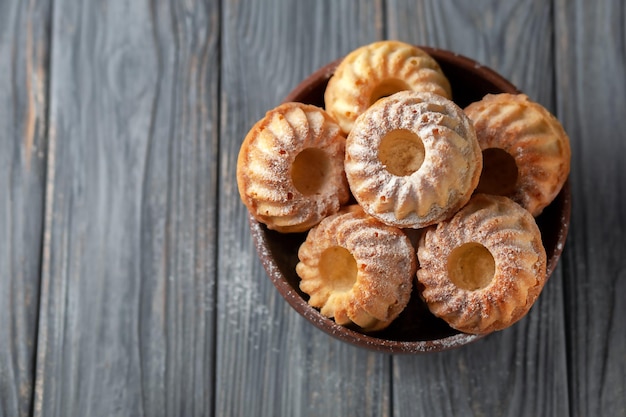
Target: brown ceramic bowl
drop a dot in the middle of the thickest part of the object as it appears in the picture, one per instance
(416, 330)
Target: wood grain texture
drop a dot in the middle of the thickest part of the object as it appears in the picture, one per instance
(129, 284)
(521, 371)
(24, 46)
(591, 68)
(270, 361)
(514, 38)
(128, 277)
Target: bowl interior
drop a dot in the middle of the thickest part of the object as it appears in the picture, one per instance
(416, 330)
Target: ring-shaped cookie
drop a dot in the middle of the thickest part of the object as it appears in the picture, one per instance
(378, 70)
(357, 270)
(526, 152)
(290, 168)
(412, 159)
(483, 269)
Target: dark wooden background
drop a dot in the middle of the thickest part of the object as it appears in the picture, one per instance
(129, 285)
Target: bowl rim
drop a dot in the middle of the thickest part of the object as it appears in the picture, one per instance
(370, 341)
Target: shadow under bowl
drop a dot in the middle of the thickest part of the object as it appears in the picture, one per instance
(416, 330)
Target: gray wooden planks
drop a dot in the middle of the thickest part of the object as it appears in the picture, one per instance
(127, 302)
(591, 98)
(270, 361)
(24, 48)
(521, 371)
(127, 298)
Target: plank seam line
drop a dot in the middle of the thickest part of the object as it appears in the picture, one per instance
(384, 19)
(217, 190)
(564, 265)
(41, 335)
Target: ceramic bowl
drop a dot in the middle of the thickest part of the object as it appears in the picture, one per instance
(416, 330)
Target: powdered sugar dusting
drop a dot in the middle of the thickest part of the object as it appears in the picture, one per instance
(264, 168)
(446, 178)
(510, 234)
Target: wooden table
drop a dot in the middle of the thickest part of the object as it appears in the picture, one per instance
(129, 285)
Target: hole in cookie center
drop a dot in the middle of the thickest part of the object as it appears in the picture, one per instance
(309, 171)
(499, 174)
(401, 152)
(338, 269)
(387, 88)
(471, 266)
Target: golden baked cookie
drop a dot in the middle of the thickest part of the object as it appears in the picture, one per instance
(412, 159)
(290, 168)
(483, 269)
(526, 152)
(357, 270)
(378, 70)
